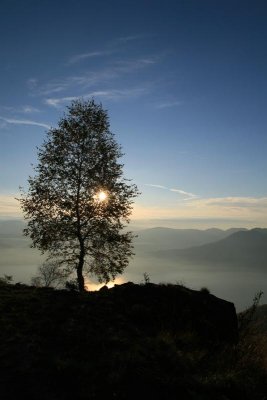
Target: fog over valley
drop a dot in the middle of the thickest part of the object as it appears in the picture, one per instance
(230, 263)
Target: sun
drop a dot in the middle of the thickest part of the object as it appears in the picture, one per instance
(101, 196)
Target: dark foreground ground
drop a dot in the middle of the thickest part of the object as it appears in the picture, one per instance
(132, 341)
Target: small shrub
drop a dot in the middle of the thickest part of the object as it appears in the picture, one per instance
(205, 290)
(146, 278)
(246, 317)
(6, 279)
(180, 283)
(72, 285)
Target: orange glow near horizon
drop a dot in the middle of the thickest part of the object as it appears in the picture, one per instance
(92, 286)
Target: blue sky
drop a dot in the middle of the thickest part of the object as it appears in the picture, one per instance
(185, 85)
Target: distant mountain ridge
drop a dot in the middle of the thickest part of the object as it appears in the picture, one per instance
(242, 248)
(159, 238)
(154, 249)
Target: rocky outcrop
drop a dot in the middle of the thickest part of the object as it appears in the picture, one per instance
(178, 308)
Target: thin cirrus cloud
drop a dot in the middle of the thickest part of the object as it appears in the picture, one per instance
(130, 38)
(51, 87)
(112, 47)
(132, 65)
(246, 210)
(83, 56)
(57, 102)
(24, 122)
(156, 186)
(27, 109)
(233, 202)
(115, 94)
(91, 78)
(187, 195)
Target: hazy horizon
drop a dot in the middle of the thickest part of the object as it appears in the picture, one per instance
(231, 282)
(175, 223)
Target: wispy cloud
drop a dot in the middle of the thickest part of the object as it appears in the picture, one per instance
(113, 94)
(250, 211)
(132, 65)
(184, 193)
(187, 195)
(130, 38)
(80, 57)
(156, 186)
(111, 48)
(49, 88)
(24, 122)
(169, 104)
(26, 109)
(232, 202)
(93, 78)
(57, 102)
(29, 109)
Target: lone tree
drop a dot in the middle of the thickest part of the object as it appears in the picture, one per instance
(50, 274)
(78, 202)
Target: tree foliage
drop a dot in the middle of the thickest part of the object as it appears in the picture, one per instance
(78, 201)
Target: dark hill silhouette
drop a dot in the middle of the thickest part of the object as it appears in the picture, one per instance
(243, 248)
(163, 341)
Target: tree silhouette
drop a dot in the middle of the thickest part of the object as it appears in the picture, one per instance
(50, 274)
(78, 202)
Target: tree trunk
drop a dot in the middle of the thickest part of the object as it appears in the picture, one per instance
(80, 277)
